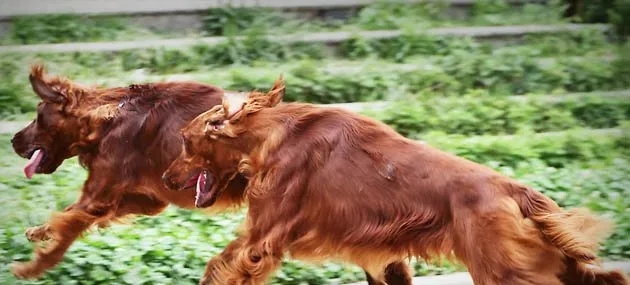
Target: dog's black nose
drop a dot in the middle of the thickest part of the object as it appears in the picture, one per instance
(13, 140)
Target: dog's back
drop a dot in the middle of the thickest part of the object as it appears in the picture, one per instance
(367, 189)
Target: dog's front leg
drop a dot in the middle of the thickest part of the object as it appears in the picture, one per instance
(42, 232)
(243, 262)
(64, 228)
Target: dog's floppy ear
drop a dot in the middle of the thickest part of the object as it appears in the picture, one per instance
(257, 101)
(213, 119)
(277, 92)
(43, 88)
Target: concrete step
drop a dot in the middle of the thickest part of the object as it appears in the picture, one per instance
(186, 15)
(493, 33)
(124, 7)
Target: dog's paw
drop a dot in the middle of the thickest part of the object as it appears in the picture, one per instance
(26, 270)
(39, 233)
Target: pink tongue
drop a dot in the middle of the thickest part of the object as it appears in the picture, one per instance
(201, 184)
(33, 163)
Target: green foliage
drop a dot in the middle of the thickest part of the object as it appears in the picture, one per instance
(576, 42)
(175, 246)
(500, 74)
(482, 114)
(256, 48)
(12, 95)
(584, 147)
(65, 28)
(392, 15)
(247, 51)
(620, 17)
(231, 20)
(615, 12)
(401, 48)
(500, 12)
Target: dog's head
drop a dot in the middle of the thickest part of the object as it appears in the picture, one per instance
(215, 144)
(48, 140)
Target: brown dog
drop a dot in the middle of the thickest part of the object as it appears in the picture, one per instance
(326, 183)
(125, 137)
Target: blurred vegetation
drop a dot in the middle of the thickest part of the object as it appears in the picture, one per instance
(616, 12)
(479, 114)
(231, 21)
(413, 63)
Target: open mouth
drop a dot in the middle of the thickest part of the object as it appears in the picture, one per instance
(34, 163)
(206, 194)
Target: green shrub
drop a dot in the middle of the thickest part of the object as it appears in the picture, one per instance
(614, 12)
(620, 18)
(65, 28)
(233, 20)
(13, 98)
(392, 15)
(483, 114)
(557, 150)
(500, 12)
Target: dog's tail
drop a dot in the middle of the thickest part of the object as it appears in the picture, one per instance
(576, 232)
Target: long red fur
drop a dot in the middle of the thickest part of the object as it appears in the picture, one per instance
(126, 137)
(325, 183)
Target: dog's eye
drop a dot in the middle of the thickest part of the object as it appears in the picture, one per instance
(215, 124)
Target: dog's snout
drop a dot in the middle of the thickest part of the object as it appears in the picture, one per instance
(13, 140)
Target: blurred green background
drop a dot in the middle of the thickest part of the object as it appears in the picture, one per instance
(549, 108)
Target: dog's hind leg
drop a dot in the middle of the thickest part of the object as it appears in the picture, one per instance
(576, 273)
(396, 273)
(499, 246)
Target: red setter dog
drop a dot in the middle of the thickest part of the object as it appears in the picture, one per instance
(325, 183)
(126, 138)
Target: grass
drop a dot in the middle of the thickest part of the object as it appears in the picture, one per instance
(176, 244)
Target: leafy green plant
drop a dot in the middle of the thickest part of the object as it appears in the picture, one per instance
(482, 114)
(232, 20)
(391, 15)
(65, 28)
(576, 147)
(500, 12)
(619, 17)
